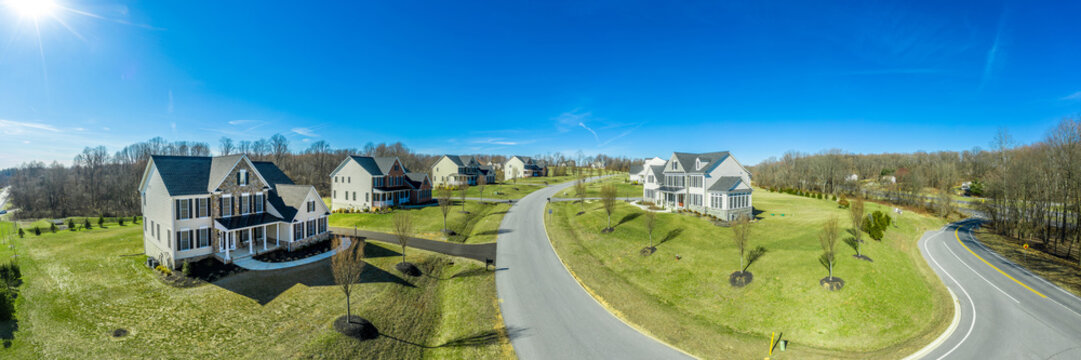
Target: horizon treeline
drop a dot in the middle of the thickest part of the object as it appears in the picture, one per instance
(98, 183)
(1033, 191)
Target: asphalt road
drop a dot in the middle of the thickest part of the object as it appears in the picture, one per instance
(1001, 318)
(479, 252)
(546, 311)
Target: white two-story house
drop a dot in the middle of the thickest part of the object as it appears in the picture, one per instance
(455, 170)
(522, 167)
(637, 172)
(367, 182)
(710, 183)
(228, 207)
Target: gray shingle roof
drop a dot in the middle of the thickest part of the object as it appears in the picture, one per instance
(220, 167)
(725, 183)
(635, 169)
(243, 221)
(687, 161)
(272, 174)
(416, 179)
(183, 175)
(288, 199)
(658, 170)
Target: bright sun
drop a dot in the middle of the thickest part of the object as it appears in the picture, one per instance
(32, 8)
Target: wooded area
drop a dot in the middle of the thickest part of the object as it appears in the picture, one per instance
(100, 184)
(1033, 191)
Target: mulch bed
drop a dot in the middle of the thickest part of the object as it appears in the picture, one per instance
(580, 213)
(283, 255)
(450, 232)
(740, 278)
(356, 327)
(832, 285)
(202, 271)
(648, 250)
(119, 333)
(607, 230)
(408, 269)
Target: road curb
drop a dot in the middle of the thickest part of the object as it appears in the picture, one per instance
(945, 335)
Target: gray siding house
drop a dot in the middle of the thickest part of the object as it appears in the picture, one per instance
(710, 183)
(228, 207)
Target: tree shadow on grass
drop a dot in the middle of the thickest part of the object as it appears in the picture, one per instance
(374, 251)
(7, 331)
(672, 234)
(627, 218)
(482, 338)
(494, 232)
(265, 286)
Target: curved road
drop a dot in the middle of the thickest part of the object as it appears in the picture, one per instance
(1006, 312)
(548, 314)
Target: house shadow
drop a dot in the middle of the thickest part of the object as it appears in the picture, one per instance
(755, 212)
(672, 234)
(265, 286)
(627, 218)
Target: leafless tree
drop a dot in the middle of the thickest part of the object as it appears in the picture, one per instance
(741, 235)
(403, 228)
(651, 223)
(608, 200)
(225, 146)
(828, 239)
(481, 182)
(443, 195)
(347, 265)
(463, 189)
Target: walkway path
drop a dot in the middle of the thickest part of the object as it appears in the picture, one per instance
(479, 252)
(251, 264)
(552, 315)
(596, 198)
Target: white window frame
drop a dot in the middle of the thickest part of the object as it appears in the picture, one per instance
(223, 209)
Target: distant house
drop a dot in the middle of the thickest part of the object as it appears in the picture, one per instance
(637, 173)
(852, 177)
(522, 167)
(228, 207)
(366, 182)
(711, 183)
(651, 183)
(889, 179)
(455, 170)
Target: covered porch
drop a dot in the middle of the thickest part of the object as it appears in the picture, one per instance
(389, 198)
(672, 197)
(245, 236)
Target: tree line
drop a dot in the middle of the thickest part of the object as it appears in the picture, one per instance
(98, 183)
(1031, 192)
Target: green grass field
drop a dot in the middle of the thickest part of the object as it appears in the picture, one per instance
(495, 191)
(80, 286)
(481, 224)
(889, 308)
(593, 189)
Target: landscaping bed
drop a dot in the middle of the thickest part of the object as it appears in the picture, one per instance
(284, 255)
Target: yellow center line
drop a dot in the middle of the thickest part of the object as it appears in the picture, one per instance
(955, 234)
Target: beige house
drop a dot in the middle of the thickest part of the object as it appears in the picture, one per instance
(228, 207)
(367, 182)
(522, 167)
(711, 183)
(455, 170)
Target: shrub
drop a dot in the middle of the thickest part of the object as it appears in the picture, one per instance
(10, 274)
(186, 269)
(101, 222)
(52, 227)
(120, 221)
(163, 270)
(71, 224)
(86, 223)
(37, 231)
(21, 233)
(843, 203)
(134, 219)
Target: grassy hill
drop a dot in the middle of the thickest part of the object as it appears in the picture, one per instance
(80, 286)
(481, 225)
(888, 308)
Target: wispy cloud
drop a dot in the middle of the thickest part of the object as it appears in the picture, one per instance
(303, 131)
(583, 125)
(11, 127)
(172, 105)
(569, 120)
(993, 53)
(897, 71)
(240, 122)
(1072, 97)
(622, 134)
(501, 141)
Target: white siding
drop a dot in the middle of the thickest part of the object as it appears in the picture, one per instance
(352, 179)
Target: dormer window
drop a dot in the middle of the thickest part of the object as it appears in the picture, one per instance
(242, 177)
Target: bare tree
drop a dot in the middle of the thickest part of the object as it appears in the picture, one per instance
(741, 234)
(462, 190)
(279, 145)
(403, 229)
(580, 190)
(481, 182)
(828, 239)
(856, 214)
(443, 195)
(608, 200)
(347, 265)
(225, 146)
(651, 223)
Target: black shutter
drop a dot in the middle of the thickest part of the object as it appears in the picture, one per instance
(192, 240)
(177, 240)
(221, 210)
(190, 208)
(176, 205)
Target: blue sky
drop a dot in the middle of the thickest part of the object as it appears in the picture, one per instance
(514, 77)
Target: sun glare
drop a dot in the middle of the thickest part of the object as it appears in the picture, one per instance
(32, 8)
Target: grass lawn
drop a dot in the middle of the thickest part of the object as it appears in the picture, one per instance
(480, 226)
(888, 308)
(495, 191)
(593, 189)
(1064, 273)
(80, 286)
(541, 180)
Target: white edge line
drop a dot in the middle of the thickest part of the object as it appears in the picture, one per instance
(972, 325)
(1022, 268)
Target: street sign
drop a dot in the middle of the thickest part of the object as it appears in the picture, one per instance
(1025, 246)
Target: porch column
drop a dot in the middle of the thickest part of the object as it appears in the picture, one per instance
(227, 235)
(264, 237)
(251, 241)
(278, 234)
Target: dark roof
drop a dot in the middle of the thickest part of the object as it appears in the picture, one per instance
(272, 173)
(725, 183)
(287, 199)
(670, 189)
(377, 166)
(460, 160)
(657, 169)
(416, 179)
(687, 160)
(183, 175)
(243, 221)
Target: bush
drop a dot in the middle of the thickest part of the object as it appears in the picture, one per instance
(37, 231)
(163, 270)
(21, 233)
(876, 224)
(843, 203)
(186, 269)
(101, 222)
(86, 224)
(134, 219)
(120, 221)
(10, 274)
(71, 224)
(52, 227)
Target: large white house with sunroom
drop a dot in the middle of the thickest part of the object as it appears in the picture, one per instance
(228, 207)
(710, 183)
(367, 183)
